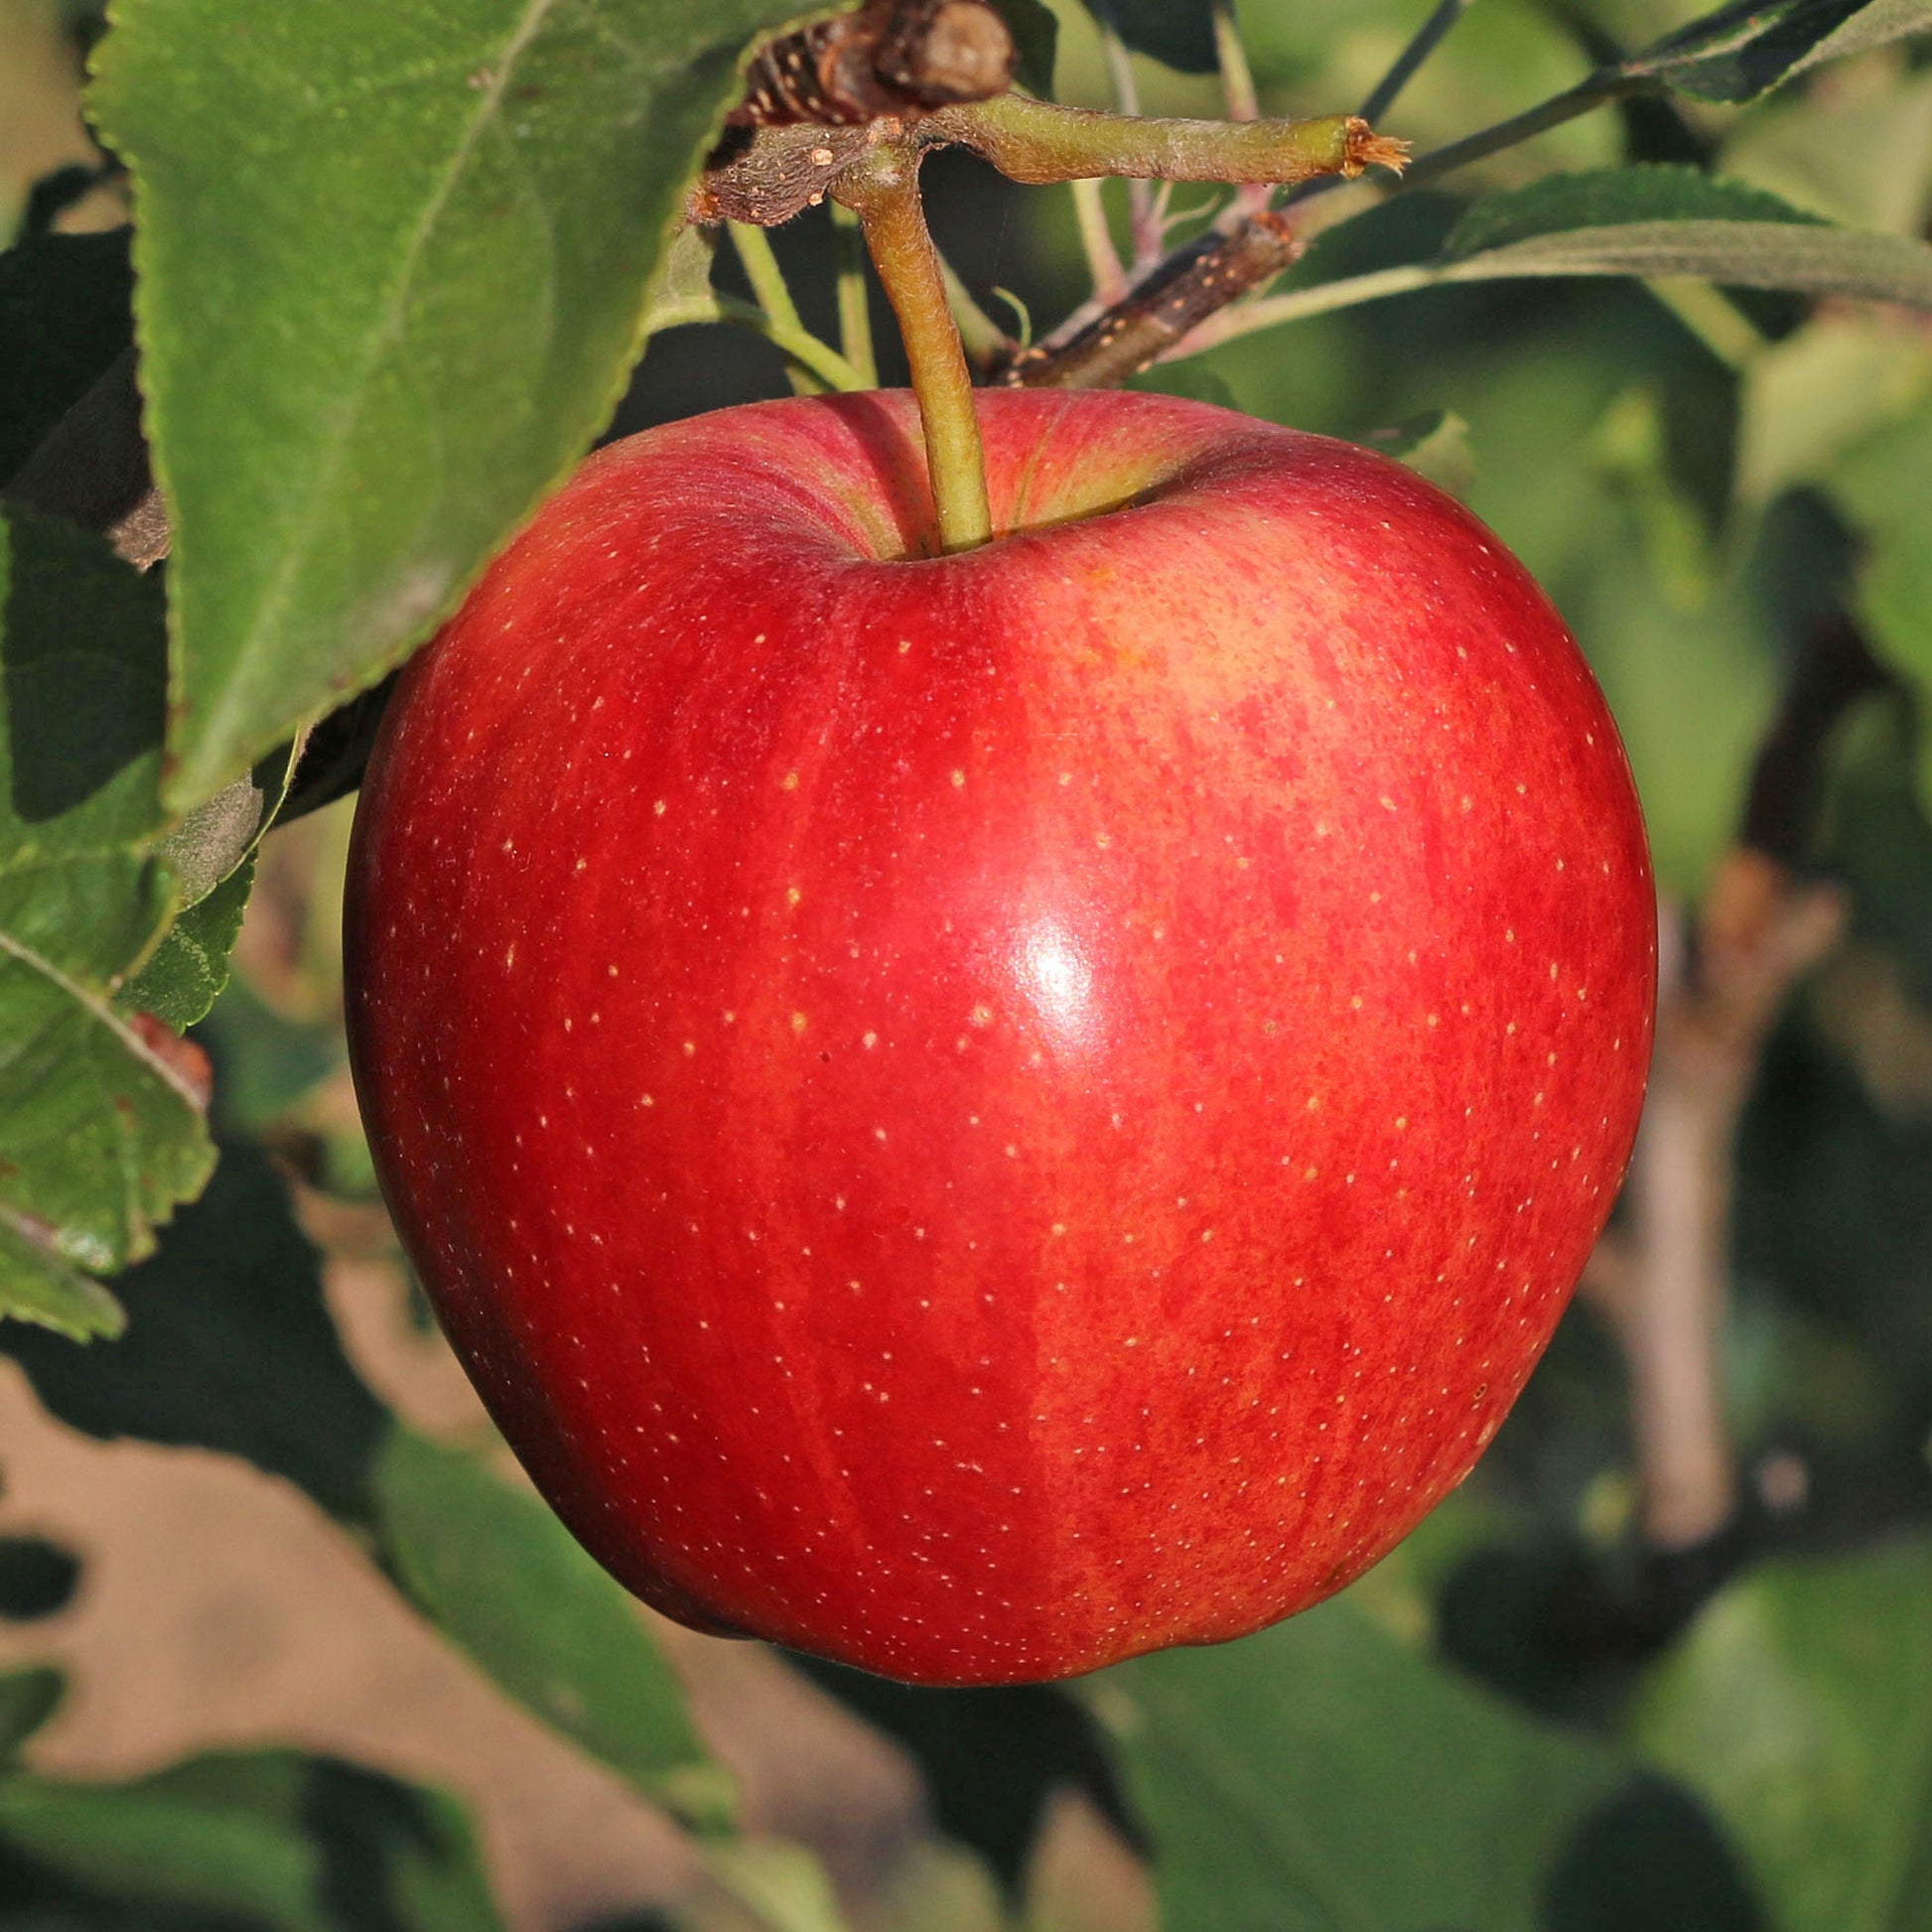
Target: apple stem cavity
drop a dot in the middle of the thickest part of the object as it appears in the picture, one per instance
(883, 190)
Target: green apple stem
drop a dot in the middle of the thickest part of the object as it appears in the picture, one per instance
(883, 190)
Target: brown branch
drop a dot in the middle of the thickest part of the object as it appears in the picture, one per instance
(898, 57)
(1760, 929)
(1662, 1277)
(1160, 309)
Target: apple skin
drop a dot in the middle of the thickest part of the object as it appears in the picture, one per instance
(977, 1116)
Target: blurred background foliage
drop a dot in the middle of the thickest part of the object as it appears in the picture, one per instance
(1526, 1717)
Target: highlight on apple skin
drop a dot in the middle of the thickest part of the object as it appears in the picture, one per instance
(981, 1115)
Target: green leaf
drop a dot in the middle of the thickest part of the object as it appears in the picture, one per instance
(36, 1286)
(1800, 1707)
(1739, 250)
(503, 1579)
(1177, 33)
(1198, 381)
(1807, 260)
(1036, 36)
(1321, 1776)
(1858, 157)
(1884, 488)
(1746, 49)
(1434, 444)
(1609, 197)
(101, 1133)
(1820, 395)
(438, 225)
(36, 1578)
(190, 967)
(229, 1348)
(27, 1700)
(65, 313)
(784, 1886)
(267, 1838)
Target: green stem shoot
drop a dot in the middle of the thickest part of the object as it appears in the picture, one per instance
(769, 284)
(854, 309)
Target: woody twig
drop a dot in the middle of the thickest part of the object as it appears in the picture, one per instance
(1662, 1277)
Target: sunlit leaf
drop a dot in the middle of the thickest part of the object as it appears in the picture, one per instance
(1800, 1707)
(1744, 50)
(1322, 1776)
(497, 1573)
(101, 1128)
(190, 967)
(231, 1347)
(439, 224)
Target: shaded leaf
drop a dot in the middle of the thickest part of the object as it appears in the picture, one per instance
(1177, 33)
(1860, 158)
(229, 1348)
(1649, 1859)
(100, 1133)
(1798, 1706)
(1191, 378)
(1821, 393)
(684, 293)
(1744, 50)
(65, 313)
(1434, 444)
(1609, 197)
(1879, 23)
(991, 1759)
(1036, 37)
(503, 1579)
(1884, 488)
(267, 1838)
(27, 1700)
(36, 1578)
(1321, 1776)
(350, 413)
(1793, 252)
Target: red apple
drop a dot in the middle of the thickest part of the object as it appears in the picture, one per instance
(982, 1115)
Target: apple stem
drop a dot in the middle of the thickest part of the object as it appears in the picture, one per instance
(883, 190)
